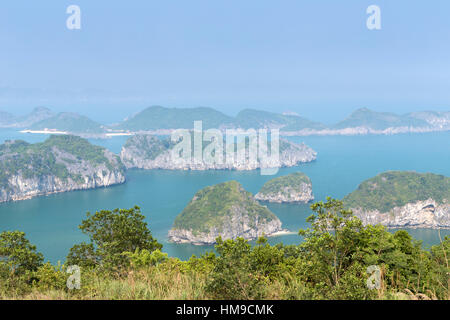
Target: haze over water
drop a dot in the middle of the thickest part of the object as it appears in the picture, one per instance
(51, 222)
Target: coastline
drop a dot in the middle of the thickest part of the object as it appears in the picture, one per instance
(352, 131)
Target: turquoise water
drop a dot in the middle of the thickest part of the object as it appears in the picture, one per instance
(343, 162)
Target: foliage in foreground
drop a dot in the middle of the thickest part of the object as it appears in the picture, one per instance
(331, 263)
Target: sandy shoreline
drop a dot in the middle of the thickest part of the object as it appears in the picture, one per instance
(44, 131)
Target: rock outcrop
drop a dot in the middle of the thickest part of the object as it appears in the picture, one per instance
(421, 214)
(60, 164)
(293, 188)
(149, 152)
(402, 199)
(224, 210)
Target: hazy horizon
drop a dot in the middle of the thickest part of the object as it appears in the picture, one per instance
(317, 59)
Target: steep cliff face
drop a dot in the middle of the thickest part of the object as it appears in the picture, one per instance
(292, 188)
(403, 199)
(238, 224)
(60, 164)
(420, 214)
(149, 152)
(225, 210)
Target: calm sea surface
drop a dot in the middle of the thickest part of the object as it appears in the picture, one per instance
(51, 222)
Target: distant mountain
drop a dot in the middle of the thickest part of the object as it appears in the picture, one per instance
(6, 118)
(435, 119)
(69, 122)
(160, 118)
(38, 114)
(250, 118)
(156, 117)
(361, 121)
(379, 120)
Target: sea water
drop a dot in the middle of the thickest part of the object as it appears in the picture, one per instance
(51, 222)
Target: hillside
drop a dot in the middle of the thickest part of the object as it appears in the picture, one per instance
(61, 163)
(150, 152)
(250, 118)
(69, 122)
(295, 187)
(398, 198)
(8, 120)
(379, 120)
(156, 117)
(361, 121)
(225, 210)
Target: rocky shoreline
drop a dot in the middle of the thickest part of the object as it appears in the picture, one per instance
(237, 227)
(288, 195)
(226, 210)
(135, 154)
(48, 168)
(427, 214)
(293, 188)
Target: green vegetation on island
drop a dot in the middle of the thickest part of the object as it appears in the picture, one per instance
(70, 123)
(60, 156)
(291, 182)
(398, 188)
(156, 117)
(123, 261)
(379, 120)
(250, 118)
(148, 146)
(214, 206)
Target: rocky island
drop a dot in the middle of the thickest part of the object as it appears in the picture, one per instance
(398, 199)
(150, 152)
(61, 163)
(225, 210)
(293, 188)
(162, 121)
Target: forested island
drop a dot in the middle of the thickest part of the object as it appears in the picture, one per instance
(61, 163)
(151, 152)
(403, 199)
(225, 210)
(293, 188)
(162, 121)
(334, 261)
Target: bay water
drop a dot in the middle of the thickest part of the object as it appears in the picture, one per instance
(343, 162)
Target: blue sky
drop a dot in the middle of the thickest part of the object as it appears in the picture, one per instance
(316, 58)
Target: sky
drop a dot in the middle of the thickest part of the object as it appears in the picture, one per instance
(316, 57)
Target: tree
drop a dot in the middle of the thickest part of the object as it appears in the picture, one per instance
(332, 252)
(233, 276)
(17, 254)
(111, 234)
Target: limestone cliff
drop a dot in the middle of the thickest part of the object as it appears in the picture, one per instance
(293, 188)
(421, 214)
(225, 210)
(61, 163)
(149, 152)
(398, 199)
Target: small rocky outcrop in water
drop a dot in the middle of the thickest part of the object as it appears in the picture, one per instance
(150, 152)
(295, 187)
(225, 210)
(403, 200)
(61, 163)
